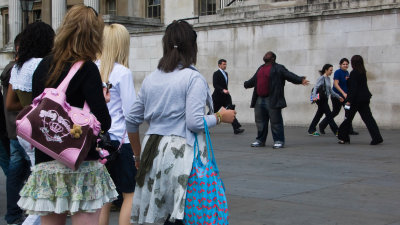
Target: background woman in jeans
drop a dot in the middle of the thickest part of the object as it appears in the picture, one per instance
(113, 65)
(323, 108)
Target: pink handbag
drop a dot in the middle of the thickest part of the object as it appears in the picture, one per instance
(63, 132)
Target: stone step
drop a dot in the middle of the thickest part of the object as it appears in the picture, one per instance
(288, 9)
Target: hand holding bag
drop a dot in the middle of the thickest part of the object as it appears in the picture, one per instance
(205, 199)
(63, 132)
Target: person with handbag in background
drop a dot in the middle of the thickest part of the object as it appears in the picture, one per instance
(358, 100)
(113, 65)
(172, 100)
(62, 190)
(320, 94)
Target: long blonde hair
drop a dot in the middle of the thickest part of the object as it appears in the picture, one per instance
(116, 42)
(78, 38)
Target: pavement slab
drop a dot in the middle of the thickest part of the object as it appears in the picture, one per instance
(312, 181)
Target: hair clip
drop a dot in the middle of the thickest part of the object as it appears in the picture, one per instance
(95, 12)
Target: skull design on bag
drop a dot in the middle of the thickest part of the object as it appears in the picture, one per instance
(55, 127)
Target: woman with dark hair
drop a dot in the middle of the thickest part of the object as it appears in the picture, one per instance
(323, 83)
(340, 87)
(53, 190)
(172, 101)
(358, 99)
(36, 42)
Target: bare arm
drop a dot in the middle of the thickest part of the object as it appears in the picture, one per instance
(336, 85)
(134, 139)
(12, 100)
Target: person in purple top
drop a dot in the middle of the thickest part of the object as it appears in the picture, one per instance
(340, 87)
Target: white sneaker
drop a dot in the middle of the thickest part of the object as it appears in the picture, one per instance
(277, 145)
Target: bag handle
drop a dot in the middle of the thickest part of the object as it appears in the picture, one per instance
(210, 150)
(64, 84)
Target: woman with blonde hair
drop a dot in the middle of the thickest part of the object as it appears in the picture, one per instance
(113, 64)
(54, 190)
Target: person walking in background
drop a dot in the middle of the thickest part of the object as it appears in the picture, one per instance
(358, 99)
(36, 42)
(339, 87)
(113, 64)
(269, 99)
(221, 96)
(172, 100)
(18, 168)
(61, 190)
(324, 84)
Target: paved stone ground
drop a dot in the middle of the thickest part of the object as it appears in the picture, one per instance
(312, 181)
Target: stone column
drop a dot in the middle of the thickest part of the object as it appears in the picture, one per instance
(95, 4)
(15, 19)
(58, 10)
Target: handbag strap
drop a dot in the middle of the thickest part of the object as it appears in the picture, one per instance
(64, 84)
(210, 150)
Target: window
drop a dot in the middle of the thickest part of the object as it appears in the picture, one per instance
(153, 8)
(37, 15)
(6, 26)
(207, 7)
(111, 7)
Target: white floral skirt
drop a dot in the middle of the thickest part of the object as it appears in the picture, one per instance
(165, 185)
(54, 188)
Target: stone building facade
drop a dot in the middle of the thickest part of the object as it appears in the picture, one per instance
(305, 34)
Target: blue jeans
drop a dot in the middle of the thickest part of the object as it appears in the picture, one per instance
(4, 157)
(18, 172)
(263, 114)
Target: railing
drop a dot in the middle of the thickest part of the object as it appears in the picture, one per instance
(226, 3)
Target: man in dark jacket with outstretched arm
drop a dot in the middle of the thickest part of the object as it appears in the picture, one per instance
(269, 99)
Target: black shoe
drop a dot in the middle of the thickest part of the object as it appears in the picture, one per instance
(257, 144)
(375, 142)
(343, 142)
(238, 131)
(353, 133)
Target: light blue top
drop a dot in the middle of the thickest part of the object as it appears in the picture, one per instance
(173, 104)
(328, 87)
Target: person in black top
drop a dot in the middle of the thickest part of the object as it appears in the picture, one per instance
(221, 96)
(63, 191)
(358, 99)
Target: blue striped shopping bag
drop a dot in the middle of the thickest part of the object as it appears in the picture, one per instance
(206, 202)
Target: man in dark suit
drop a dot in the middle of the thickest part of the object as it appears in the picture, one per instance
(221, 96)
